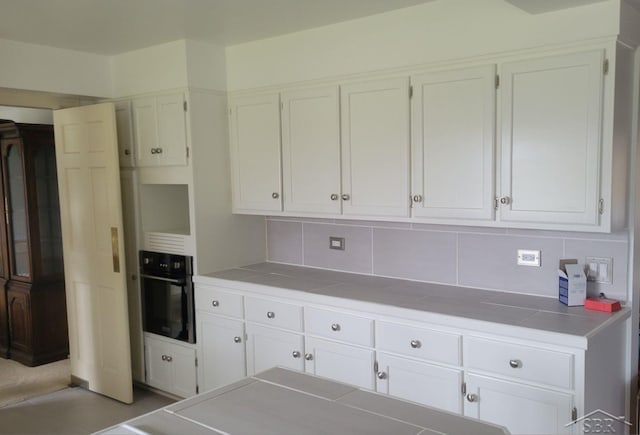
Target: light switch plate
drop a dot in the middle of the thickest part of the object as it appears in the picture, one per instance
(336, 243)
(599, 269)
(528, 257)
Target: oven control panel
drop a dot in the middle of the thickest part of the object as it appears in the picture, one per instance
(162, 264)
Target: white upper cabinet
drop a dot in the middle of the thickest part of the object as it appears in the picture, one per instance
(255, 153)
(311, 150)
(551, 139)
(125, 134)
(375, 148)
(453, 136)
(160, 130)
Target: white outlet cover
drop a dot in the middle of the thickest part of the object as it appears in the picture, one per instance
(528, 257)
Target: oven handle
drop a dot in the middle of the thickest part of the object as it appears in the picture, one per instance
(160, 278)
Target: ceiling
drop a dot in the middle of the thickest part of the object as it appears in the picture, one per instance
(110, 27)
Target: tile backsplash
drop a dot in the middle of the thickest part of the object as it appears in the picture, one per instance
(465, 256)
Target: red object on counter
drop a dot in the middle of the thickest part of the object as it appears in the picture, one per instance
(602, 304)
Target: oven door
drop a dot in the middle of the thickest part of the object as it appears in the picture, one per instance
(168, 308)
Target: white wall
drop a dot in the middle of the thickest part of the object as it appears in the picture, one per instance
(436, 31)
(29, 116)
(39, 68)
(206, 66)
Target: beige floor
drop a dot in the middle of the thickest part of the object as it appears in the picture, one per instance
(74, 411)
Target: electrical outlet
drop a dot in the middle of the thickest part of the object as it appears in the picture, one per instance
(528, 257)
(336, 243)
(599, 269)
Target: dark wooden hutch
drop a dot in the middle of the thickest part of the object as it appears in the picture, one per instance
(33, 316)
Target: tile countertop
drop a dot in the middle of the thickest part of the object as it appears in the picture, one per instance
(281, 401)
(522, 314)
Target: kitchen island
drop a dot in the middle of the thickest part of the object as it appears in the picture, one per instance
(280, 401)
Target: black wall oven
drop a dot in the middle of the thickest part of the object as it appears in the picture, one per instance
(167, 295)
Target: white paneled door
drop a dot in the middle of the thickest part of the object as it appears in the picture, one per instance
(94, 261)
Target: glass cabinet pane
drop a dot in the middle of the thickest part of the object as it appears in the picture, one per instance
(48, 211)
(17, 212)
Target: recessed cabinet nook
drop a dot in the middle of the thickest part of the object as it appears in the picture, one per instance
(524, 140)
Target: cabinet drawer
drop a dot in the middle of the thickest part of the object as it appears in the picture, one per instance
(273, 313)
(419, 343)
(517, 361)
(217, 301)
(339, 326)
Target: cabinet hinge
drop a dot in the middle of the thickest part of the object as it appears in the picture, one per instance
(605, 67)
(463, 389)
(601, 206)
(230, 111)
(496, 202)
(281, 106)
(375, 367)
(410, 92)
(197, 389)
(184, 105)
(497, 81)
(574, 414)
(187, 152)
(196, 361)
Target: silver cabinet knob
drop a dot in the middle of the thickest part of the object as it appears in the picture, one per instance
(270, 314)
(159, 150)
(237, 339)
(164, 357)
(127, 152)
(515, 363)
(169, 358)
(275, 195)
(505, 200)
(335, 327)
(346, 197)
(472, 397)
(215, 303)
(295, 354)
(381, 375)
(334, 197)
(153, 151)
(417, 198)
(416, 344)
(308, 356)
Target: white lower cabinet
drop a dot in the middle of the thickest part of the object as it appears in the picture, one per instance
(420, 382)
(221, 350)
(523, 409)
(341, 362)
(170, 367)
(269, 347)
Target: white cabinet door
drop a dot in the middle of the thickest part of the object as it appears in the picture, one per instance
(160, 130)
(551, 139)
(520, 408)
(453, 136)
(255, 153)
(221, 353)
(420, 382)
(158, 370)
(375, 148)
(172, 138)
(182, 362)
(125, 134)
(268, 347)
(145, 127)
(341, 362)
(311, 150)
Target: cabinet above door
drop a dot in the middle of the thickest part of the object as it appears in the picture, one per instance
(160, 130)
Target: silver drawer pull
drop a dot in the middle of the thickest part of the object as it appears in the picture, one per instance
(308, 356)
(270, 314)
(382, 375)
(515, 363)
(472, 397)
(335, 327)
(237, 339)
(169, 358)
(215, 303)
(416, 344)
(296, 354)
(164, 357)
